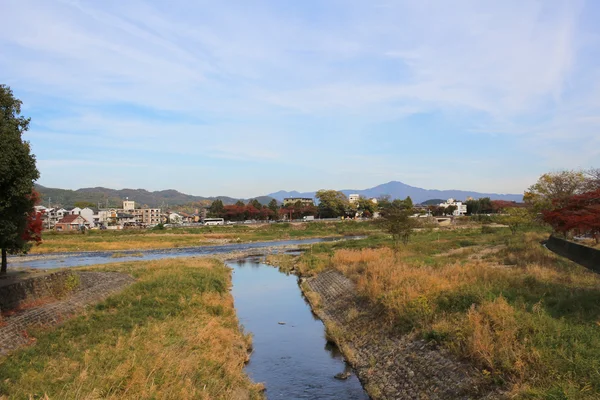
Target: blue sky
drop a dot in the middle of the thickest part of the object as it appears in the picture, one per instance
(246, 98)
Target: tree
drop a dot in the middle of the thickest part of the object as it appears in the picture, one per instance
(17, 175)
(395, 220)
(216, 208)
(256, 204)
(450, 209)
(515, 217)
(593, 179)
(553, 190)
(332, 203)
(366, 206)
(580, 213)
(84, 204)
(273, 206)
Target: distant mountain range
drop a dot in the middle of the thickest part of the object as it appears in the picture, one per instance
(169, 198)
(105, 197)
(399, 190)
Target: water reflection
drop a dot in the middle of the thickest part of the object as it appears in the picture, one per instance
(291, 355)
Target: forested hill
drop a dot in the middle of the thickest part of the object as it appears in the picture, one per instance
(114, 198)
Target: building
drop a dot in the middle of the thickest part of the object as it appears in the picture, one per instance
(353, 198)
(305, 201)
(128, 205)
(71, 222)
(461, 209)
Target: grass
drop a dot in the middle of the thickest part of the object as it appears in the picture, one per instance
(528, 319)
(173, 334)
(97, 240)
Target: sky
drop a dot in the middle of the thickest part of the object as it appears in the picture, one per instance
(245, 98)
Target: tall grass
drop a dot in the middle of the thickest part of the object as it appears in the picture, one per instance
(173, 334)
(524, 316)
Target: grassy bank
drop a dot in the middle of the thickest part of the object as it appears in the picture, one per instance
(97, 240)
(172, 334)
(526, 318)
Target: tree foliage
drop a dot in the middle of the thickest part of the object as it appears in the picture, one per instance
(332, 203)
(17, 175)
(553, 190)
(515, 217)
(579, 214)
(216, 208)
(396, 220)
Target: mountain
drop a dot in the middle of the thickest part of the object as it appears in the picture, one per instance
(399, 190)
(111, 197)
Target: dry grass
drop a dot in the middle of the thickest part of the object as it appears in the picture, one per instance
(534, 325)
(171, 335)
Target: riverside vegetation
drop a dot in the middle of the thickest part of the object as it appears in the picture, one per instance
(528, 320)
(96, 240)
(172, 334)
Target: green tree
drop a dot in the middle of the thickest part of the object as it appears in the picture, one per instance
(395, 220)
(273, 206)
(84, 204)
(515, 217)
(366, 206)
(17, 175)
(216, 208)
(256, 204)
(332, 203)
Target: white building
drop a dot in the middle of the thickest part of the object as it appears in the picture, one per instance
(128, 205)
(461, 209)
(353, 198)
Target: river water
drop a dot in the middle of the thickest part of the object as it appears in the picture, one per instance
(77, 259)
(291, 355)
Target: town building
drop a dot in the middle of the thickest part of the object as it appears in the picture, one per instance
(353, 198)
(72, 222)
(461, 209)
(305, 201)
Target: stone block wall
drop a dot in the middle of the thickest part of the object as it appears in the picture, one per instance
(55, 284)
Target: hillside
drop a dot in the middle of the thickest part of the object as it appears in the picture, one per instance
(399, 190)
(106, 197)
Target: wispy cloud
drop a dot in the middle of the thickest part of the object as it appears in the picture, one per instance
(353, 92)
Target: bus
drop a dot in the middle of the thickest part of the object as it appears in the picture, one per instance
(214, 221)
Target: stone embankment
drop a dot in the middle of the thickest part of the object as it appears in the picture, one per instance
(389, 365)
(84, 288)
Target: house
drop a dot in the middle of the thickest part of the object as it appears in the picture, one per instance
(461, 209)
(305, 201)
(71, 222)
(353, 198)
(175, 218)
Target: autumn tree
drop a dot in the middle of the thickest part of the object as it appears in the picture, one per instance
(553, 190)
(593, 179)
(17, 175)
(579, 214)
(256, 204)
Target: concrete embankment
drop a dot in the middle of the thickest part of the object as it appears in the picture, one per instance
(390, 366)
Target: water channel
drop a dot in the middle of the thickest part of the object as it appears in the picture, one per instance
(291, 355)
